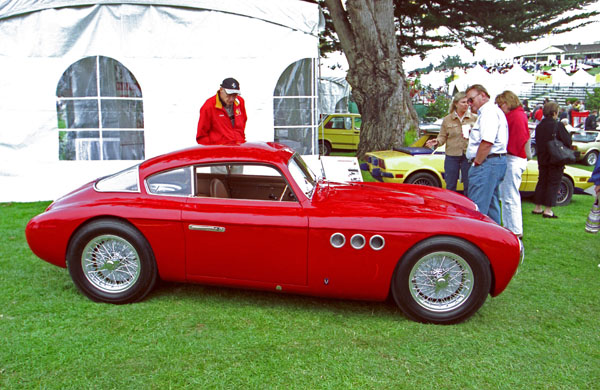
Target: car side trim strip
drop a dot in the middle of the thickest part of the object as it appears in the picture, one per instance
(205, 228)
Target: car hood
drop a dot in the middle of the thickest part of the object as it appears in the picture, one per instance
(385, 199)
(383, 154)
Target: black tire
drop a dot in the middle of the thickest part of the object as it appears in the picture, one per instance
(325, 148)
(442, 280)
(110, 261)
(591, 158)
(423, 178)
(565, 191)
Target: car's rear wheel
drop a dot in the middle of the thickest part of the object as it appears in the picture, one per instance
(110, 261)
(591, 158)
(442, 280)
(423, 178)
(325, 147)
(565, 191)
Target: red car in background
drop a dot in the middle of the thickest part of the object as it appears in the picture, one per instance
(254, 216)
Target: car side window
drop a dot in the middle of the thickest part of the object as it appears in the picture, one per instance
(242, 181)
(177, 182)
(348, 123)
(357, 123)
(336, 123)
(124, 181)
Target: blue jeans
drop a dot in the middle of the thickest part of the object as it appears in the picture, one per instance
(453, 165)
(484, 186)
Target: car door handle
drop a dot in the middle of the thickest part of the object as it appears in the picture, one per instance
(205, 228)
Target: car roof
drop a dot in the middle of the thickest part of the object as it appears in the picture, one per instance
(257, 152)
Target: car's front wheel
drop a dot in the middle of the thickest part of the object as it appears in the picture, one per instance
(110, 261)
(442, 280)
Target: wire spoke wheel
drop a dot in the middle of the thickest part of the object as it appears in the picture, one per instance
(441, 281)
(110, 263)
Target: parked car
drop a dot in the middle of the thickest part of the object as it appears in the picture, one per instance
(587, 145)
(418, 165)
(254, 216)
(430, 124)
(339, 132)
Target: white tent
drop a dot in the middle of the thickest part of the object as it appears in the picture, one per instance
(334, 93)
(582, 78)
(92, 87)
(477, 75)
(560, 77)
(435, 79)
(516, 79)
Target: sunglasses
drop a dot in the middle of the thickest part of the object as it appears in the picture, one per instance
(470, 100)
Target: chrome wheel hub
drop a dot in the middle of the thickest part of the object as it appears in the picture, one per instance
(441, 281)
(110, 263)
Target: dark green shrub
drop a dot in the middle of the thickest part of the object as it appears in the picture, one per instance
(592, 100)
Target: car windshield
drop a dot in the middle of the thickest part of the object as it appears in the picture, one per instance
(587, 137)
(302, 175)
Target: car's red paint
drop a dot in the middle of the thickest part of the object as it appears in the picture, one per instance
(280, 246)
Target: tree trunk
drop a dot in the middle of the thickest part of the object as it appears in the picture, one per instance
(375, 71)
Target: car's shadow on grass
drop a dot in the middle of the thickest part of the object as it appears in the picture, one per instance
(229, 297)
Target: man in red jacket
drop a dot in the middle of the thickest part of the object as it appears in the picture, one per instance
(223, 116)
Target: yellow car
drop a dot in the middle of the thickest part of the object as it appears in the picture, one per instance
(339, 132)
(420, 165)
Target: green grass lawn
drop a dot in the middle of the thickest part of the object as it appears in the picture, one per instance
(541, 333)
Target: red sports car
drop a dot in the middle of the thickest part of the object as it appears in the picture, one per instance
(254, 216)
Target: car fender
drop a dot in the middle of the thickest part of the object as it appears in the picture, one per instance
(429, 170)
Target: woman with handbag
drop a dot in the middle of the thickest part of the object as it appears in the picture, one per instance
(550, 174)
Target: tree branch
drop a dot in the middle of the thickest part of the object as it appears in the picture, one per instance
(341, 23)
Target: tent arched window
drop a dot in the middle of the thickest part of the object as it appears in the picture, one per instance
(100, 112)
(295, 106)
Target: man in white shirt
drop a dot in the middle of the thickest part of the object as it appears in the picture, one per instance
(486, 152)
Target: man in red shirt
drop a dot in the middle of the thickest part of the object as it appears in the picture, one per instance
(223, 116)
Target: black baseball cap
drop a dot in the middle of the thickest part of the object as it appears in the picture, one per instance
(231, 86)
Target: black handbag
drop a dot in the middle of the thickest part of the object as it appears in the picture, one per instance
(559, 153)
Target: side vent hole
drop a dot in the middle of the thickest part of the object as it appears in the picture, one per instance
(337, 240)
(377, 242)
(358, 241)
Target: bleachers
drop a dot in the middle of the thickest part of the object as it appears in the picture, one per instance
(539, 92)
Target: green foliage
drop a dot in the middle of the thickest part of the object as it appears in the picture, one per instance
(439, 108)
(419, 24)
(542, 332)
(571, 100)
(450, 62)
(410, 137)
(592, 100)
